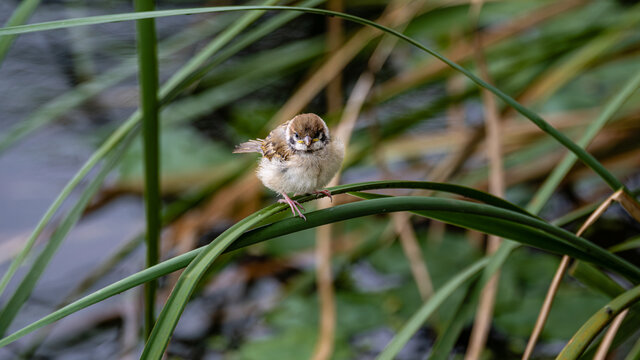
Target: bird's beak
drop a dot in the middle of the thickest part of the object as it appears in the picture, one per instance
(307, 140)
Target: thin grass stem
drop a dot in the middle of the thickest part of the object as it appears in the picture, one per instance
(148, 80)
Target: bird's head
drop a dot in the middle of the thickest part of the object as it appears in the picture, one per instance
(307, 132)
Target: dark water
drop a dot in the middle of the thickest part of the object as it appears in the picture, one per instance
(38, 68)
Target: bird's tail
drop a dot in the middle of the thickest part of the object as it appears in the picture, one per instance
(249, 147)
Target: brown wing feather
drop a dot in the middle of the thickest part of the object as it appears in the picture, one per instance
(249, 146)
(275, 145)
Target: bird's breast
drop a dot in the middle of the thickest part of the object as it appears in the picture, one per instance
(301, 173)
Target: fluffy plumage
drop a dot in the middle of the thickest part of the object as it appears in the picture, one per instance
(298, 157)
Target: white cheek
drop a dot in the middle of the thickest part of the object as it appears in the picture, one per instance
(301, 147)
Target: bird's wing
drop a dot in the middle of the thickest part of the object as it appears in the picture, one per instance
(275, 145)
(250, 146)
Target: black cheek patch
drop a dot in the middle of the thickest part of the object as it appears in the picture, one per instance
(291, 141)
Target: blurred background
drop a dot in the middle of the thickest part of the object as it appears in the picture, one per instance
(404, 114)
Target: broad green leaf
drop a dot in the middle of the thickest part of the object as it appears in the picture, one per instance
(292, 225)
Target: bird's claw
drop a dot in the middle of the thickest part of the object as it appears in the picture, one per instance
(325, 192)
(295, 206)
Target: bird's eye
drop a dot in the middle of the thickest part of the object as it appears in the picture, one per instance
(295, 135)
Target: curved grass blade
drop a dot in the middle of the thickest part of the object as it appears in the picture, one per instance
(429, 307)
(595, 279)
(561, 170)
(286, 226)
(247, 239)
(154, 272)
(628, 329)
(528, 235)
(535, 234)
(582, 154)
(182, 260)
(170, 315)
(247, 39)
(467, 192)
(464, 311)
(273, 68)
(590, 329)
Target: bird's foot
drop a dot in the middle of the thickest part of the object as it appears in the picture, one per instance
(295, 206)
(325, 192)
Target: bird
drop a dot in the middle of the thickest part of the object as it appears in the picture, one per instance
(298, 157)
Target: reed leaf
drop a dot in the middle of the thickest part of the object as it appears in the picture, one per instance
(590, 329)
(560, 171)
(148, 85)
(292, 225)
(168, 319)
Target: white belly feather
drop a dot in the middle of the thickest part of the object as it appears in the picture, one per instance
(303, 172)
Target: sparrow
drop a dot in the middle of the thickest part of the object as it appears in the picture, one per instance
(298, 157)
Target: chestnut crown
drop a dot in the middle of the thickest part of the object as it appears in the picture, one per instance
(307, 132)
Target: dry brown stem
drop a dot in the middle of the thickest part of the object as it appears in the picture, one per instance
(555, 283)
(130, 326)
(482, 322)
(324, 346)
(546, 307)
(335, 37)
(601, 353)
(326, 335)
(629, 204)
(412, 251)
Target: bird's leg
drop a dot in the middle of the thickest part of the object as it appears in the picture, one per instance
(324, 192)
(295, 206)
